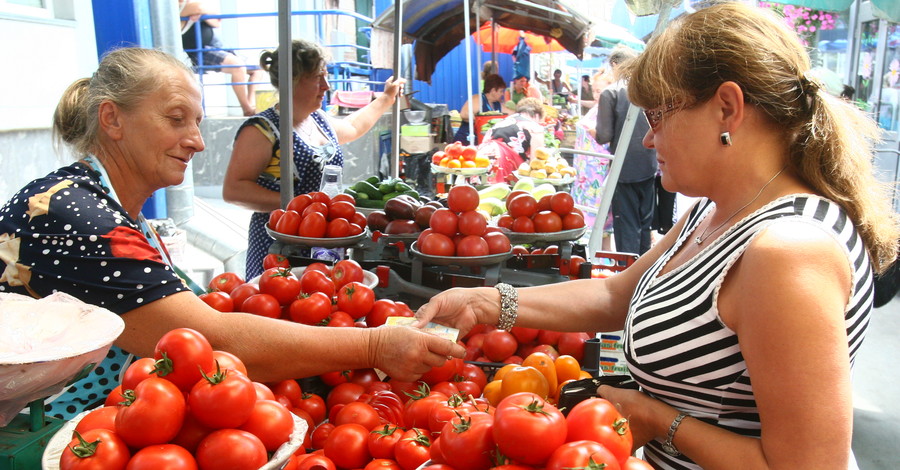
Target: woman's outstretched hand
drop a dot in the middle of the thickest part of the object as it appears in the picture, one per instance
(461, 308)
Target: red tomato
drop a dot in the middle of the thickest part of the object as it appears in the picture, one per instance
(499, 345)
(512, 195)
(182, 355)
(549, 337)
(99, 418)
(572, 221)
(314, 405)
(634, 463)
(413, 449)
(581, 454)
(264, 305)
(226, 360)
(519, 250)
(346, 271)
(319, 196)
(337, 228)
(381, 310)
(111, 452)
(523, 224)
(319, 207)
(341, 210)
(313, 225)
(274, 260)
(527, 428)
(280, 283)
(316, 462)
(271, 423)
(274, 217)
(505, 221)
(320, 435)
(356, 299)
(223, 399)
(444, 221)
(472, 372)
(572, 344)
(497, 243)
(288, 388)
(231, 448)
(242, 293)
(340, 319)
(383, 464)
(114, 397)
(344, 393)
(463, 198)
(522, 206)
(418, 409)
(562, 203)
(220, 301)
(544, 203)
(316, 281)
(168, 456)
(524, 335)
(596, 419)
(153, 416)
(382, 439)
(444, 372)
(288, 223)
(322, 267)
(472, 223)
(358, 219)
(547, 222)
(437, 244)
(137, 371)
(437, 157)
(347, 446)
(365, 377)
(225, 282)
(298, 203)
(472, 245)
(468, 442)
(343, 197)
(359, 413)
(311, 310)
(191, 433)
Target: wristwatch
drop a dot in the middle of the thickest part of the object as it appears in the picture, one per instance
(669, 446)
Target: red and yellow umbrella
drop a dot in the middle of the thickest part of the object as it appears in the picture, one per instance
(507, 38)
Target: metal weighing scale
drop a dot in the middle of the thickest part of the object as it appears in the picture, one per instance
(45, 346)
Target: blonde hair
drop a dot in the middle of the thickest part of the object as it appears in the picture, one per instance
(831, 141)
(125, 77)
(531, 106)
(308, 58)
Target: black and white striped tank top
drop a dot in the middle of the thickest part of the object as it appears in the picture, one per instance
(697, 365)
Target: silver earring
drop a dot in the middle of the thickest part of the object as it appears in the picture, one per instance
(725, 137)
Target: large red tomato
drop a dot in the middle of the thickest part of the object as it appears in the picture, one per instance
(280, 283)
(337, 228)
(437, 244)
(413, 449)
(347, 446)
(168, 456)
(264, 305)
(97, 449)
(582, 454)
(444, 221)
(311, 310)
(151, 414)
(226, 360)
(220, 301)
(522, 206)
(498, 345)
(346, 271)
(596, 419)
(299, 202)
(274, 260)
(468, 442)
(419, 407)
(356, 299)
(572, 344)
(223, 399)
(344, 393)
(497, 243)
(288, 223)
(99, 418)
(527, 428)
(313, 225)
(231, 448)
(314, 405)
(443, 373)
(523, 224)
(271, 423)
(341, 210)
(139, 370)
(316, 281)
(243, 292)
(315, 462)
(572, 221)
(547, 221)
(225, 282)
(463, 198)
(274, 217)
(382, 440)
(381, 310)
(562, 203)
(359, 413)
(472, 245)
(472, 223)
(181, 356)
(191, 433)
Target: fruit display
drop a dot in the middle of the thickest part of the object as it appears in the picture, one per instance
(546, 166)
(373, 193)
(316, 215)
(460, 230)
(402, 215)
(457, 156)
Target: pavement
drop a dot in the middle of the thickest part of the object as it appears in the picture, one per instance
(876, 417)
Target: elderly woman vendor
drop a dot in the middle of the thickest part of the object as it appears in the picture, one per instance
(79, 230)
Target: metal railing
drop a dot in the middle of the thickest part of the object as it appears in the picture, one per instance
(341, 72)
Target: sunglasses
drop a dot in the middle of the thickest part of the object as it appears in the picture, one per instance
(655, 115)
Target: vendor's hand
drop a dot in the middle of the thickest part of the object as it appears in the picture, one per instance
(405, 353)
(645, 415)
(459, 307)
(393, 88)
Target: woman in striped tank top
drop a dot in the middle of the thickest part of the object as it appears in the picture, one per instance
(742, 324)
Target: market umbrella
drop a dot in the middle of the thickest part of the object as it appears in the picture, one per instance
(507, 38)
(609, 35)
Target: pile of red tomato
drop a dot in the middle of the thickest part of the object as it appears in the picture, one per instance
(316, 215)
(553, 213)
(188, 407)
(460, 230)
(320, 296)
(484, 343)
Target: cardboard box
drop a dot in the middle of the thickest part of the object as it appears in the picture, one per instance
(419, 144)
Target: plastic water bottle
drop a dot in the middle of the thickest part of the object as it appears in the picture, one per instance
(331, 180)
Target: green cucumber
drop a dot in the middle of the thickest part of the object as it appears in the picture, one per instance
(370, 203)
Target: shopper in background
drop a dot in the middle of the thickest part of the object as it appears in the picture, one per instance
(226, 61)
(741, 326)
(520, 89)
(136, 125)
(488, 100)
(635, 194)
(253, 177)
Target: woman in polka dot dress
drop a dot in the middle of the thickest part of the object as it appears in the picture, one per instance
(253, 178)
(79, 230)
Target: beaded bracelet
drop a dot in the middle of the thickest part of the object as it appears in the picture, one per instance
(509, 306)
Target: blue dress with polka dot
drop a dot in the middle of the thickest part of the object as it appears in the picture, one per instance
(64, 233)
(309, 162)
